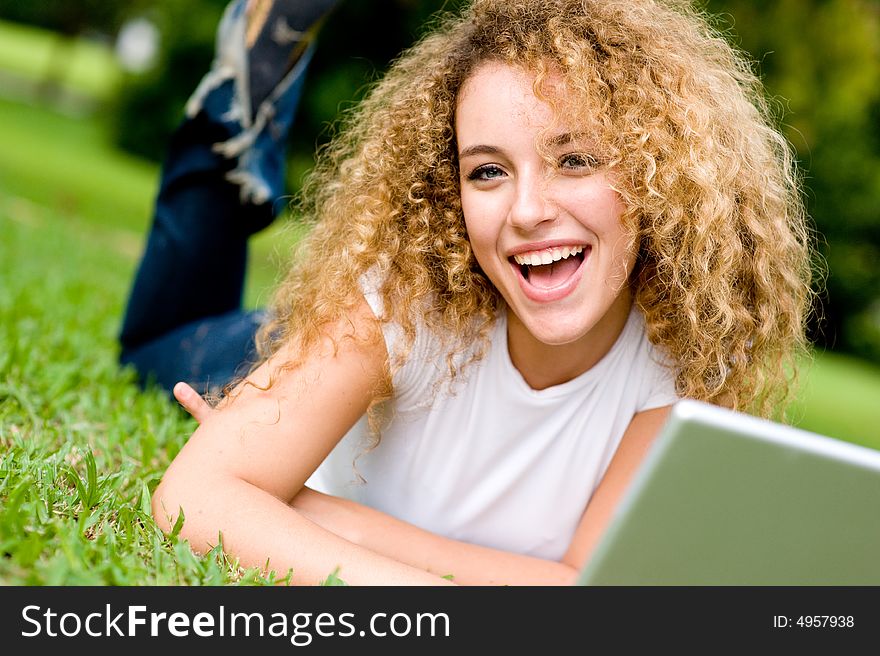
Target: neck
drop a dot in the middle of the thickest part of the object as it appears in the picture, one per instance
(546, 365)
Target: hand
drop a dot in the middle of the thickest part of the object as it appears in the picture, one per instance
(192, 402)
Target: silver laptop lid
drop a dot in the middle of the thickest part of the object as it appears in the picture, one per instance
(728, 499)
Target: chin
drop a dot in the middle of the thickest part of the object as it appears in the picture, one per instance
(556, 333)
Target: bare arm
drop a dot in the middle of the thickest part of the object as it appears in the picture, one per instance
(468, 564)
(238, 472)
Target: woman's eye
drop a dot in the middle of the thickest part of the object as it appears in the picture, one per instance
(578, 162)
(487, 172)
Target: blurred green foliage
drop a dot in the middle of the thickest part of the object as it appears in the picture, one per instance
(819, 59)
(150, 105)
(820, 62)
(65, 17)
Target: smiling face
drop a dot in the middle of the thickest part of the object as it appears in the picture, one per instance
(548, 235)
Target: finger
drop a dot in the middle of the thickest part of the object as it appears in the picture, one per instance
(192, 402)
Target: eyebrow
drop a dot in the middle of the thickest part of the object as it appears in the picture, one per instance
(480, 149)
(558, 140)
(566, 138)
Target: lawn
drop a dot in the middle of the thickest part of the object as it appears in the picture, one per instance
(81, 447)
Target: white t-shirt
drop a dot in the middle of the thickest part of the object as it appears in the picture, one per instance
(489, 460)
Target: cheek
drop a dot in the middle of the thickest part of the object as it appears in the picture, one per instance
(620, 239)
(481, 249)
(480, 233)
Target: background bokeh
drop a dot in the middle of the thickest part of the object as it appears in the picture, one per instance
(820, 60)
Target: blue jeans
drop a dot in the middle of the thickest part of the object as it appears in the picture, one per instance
(184, 320)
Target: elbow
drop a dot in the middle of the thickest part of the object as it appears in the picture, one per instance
(185, 505)
(179, 501)
(563, 575)
(165, 506)
(571, 575)
(569, 571)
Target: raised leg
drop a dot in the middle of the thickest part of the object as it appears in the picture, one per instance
(221, 182)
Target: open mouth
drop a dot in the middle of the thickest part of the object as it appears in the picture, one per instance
(550, 267)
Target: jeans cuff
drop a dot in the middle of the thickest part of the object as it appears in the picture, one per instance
(257, 141)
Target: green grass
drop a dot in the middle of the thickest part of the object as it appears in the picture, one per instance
(81, 447)
(840, 397)
(69, 167)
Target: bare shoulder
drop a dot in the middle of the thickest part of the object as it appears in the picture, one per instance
(351, 357)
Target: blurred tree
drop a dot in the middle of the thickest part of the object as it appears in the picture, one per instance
(66, 17)
(820, 61)
(68, 20)
(150, 104)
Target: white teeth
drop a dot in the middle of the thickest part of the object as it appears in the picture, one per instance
(547, 256)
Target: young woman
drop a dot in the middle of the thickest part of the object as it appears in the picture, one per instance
(548, 222)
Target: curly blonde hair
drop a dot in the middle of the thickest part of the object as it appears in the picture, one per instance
(723, 268)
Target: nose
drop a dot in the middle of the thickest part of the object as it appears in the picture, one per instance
(531, 206)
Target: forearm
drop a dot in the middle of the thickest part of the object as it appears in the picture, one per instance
(468, 564)
(263, 531)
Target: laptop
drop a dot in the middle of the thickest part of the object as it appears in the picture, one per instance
(724, 498)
